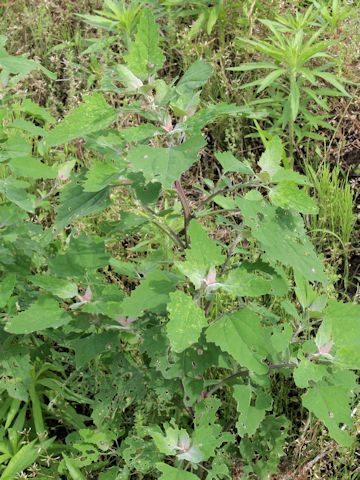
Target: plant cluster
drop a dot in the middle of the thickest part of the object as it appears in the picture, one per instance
(131, 329)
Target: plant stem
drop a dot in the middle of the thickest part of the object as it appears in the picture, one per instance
(165, 228)
(227, 190)
(244, 372)
(185, 206)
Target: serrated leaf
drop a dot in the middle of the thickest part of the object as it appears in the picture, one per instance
(254, 280)
(231, 164)
(145, 56)
(203, 254)
(42, 314)
(243, 337)
(213, 112)
(208, 433)
(331, 405)
(282, 236)
(92, 115)
(308, 372)
(341, 325)
(288, 195)
(186, 322)
(250, 416)
(284, 175)
(100, 175)
(165, 165)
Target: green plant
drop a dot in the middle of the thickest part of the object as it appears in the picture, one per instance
(294, 84)
(335, 222)
(117, 17)
(114, 282)
(333, 12)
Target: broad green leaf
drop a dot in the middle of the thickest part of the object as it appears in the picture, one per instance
(31, 167)
(271, 159)
(308, 372)
(202, 255)
(289, 195)
(208, 433)
(92, 115)
(145, 56)
(242, 336)
(285, 175)
(100, 175)
(168, 443)
(254, 280)
(84, 254)
(165, 165)
(263, 451)
(213, 112)
(341, 326)
(56, 286)
(232, 164)
(172, 473)
(152, 294)
(91, 346)
(33, 109)
(15, 191)
(195, 76)
(42, 314)
(7, 285)
(186, 322)
(27, 126)
(75, 203)
(250, 416)
(282, 236)
(19, 65)
(331, 405)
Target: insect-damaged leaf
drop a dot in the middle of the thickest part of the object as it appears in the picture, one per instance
(331, 404)
(281, 235)
(250, 416)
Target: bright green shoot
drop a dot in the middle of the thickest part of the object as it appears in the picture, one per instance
(296, 87)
